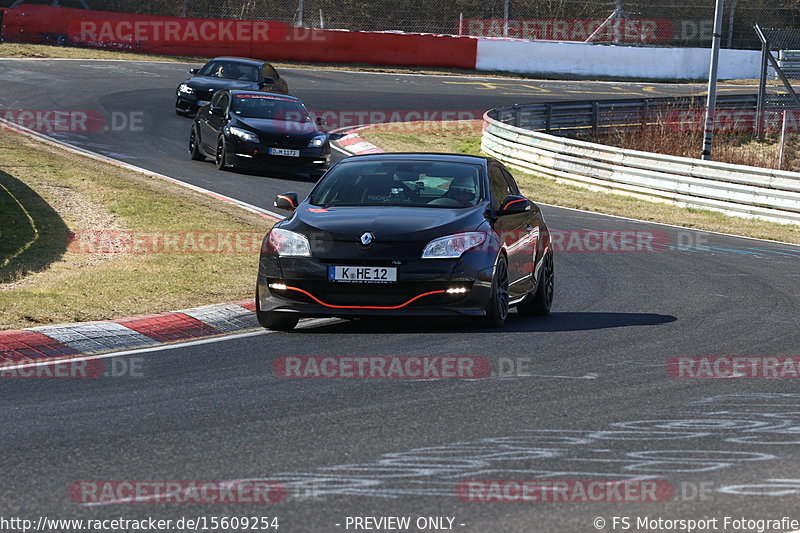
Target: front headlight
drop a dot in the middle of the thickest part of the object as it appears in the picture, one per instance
(288, 243)
(185, 89)
(452, 246)
(316, 142)
(243, 134)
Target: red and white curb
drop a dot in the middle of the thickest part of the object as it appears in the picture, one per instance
(64, 341)
(68, 341)
(353, 144)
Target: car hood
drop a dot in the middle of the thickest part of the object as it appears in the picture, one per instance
(203, 83)
(387, 224)
(304, 130)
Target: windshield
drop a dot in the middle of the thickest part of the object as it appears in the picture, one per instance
(271, 107)
(400, 183)
(230, 70)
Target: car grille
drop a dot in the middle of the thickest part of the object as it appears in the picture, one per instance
(283, 141)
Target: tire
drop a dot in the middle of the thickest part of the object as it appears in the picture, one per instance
(540, 302)
(194, 147)
(221, 158)
(497, 309)
(275, 321)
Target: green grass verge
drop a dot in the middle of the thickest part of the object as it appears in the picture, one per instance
(45, 193)
(465, 138)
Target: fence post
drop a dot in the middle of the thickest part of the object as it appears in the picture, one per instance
(548, 117)
(645, 111)
(595, 117)
(517, 116)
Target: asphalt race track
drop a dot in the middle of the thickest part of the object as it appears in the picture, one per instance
(581, 395)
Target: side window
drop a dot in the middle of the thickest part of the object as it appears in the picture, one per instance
(270, 72)
(498, 186)
(512, 185)
(224, 102)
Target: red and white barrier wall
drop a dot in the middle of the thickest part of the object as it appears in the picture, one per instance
(269, 40)
(272, 40)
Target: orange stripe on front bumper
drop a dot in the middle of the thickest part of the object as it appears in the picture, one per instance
(332, 306)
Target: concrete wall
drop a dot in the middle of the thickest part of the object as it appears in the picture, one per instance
(581, 59)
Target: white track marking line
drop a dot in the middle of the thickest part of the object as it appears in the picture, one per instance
(307, 324)
(116, 162)
(94, 155)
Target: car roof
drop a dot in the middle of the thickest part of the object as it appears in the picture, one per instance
(239, 60)
(424, 156)
(262, 93)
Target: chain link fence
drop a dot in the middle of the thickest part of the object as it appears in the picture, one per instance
(641, 22)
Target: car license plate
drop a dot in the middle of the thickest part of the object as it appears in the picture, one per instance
(362, 274)
(201, 103)
(284, 152)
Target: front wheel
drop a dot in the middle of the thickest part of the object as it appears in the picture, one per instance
(194, 148)
(540, 302)
(497, 310)
(221, 158)
(273, 320)
(277, 321)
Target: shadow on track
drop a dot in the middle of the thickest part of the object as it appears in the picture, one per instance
(569, 321)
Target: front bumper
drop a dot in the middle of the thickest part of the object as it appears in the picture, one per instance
(187, 103)
(312, 161)
(420, 290)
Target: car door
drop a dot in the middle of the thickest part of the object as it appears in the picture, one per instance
(513, 231)
(217, 119)
(207, 136)
(529, 236)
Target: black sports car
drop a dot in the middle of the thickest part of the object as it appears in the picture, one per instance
(407, 235)
(226, 73)
(261, 131)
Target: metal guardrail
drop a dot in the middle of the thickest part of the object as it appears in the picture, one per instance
(598, 116)
(737, 190)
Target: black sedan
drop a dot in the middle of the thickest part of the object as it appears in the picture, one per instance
(407, 235)
(260, 131)
(226, 73)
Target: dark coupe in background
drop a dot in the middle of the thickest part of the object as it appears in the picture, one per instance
(400, 235)
(260, 131)
(226, 73)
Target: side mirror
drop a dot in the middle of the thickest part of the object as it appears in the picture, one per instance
(336, 136)
(194, 70)
(287, 201)
(513, 204)
(321, 121)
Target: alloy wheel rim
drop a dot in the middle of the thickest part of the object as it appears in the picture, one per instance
(502, 289)
(549, 280)
(219, 153)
